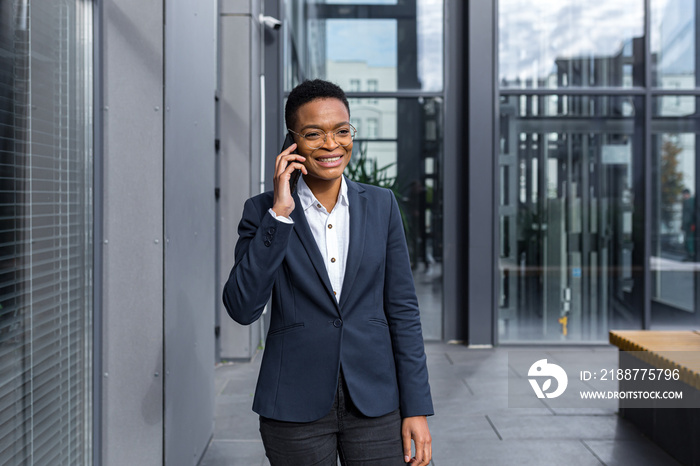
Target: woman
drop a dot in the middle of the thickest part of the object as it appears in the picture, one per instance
(343, 372)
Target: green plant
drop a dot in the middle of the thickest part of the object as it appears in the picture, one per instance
(363, 169)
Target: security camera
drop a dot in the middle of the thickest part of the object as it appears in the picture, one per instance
(269, 21)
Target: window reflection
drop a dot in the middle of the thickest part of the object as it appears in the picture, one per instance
(566, 216)
(674, 106)
(364, 2)
(674, 260)
(572, 167)
(564, 43)
(400, 148)
(387, 46)
(383, 46)
(674, 38)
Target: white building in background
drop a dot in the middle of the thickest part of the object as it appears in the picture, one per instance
(375, 119)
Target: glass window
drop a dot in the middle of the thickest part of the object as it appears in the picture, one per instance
(566, 216)
(674, 260)
(372, 128)
(399, 45)
(400, 148)
(385, 47)
(674, 38)
(362, 2)
(45, 232)
(568, 243)
(581, 43)
(362, 49)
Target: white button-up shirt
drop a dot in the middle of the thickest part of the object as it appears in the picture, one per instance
(330, 230)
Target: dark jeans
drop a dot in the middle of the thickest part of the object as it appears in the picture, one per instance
(344, 432)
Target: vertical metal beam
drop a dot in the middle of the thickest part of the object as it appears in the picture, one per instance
(482, 254)
(239, 155)
(132, 256)
(189, 218)
(454, 270)
(646, 173)
(696, 279)
(409, 111)
(273, 69)
(97, 234)
(218, 287)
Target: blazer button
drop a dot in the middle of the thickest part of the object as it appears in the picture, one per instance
(268, 243)
(337, 323)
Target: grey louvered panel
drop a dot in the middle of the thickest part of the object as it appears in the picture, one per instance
(45, 223)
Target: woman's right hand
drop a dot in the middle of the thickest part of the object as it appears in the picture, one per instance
(285, 164)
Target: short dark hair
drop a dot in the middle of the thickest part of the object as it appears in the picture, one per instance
(308, 91)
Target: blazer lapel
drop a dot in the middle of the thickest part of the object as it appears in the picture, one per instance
(301, 228)
(358, 216)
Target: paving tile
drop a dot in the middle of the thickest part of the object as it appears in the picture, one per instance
(483, 403)
(449, 389)
(629, 453)
(229, 453)
(471, 398)
(494, 452)
(234, 420)
(455, 428)
(608, 427)
(584, 411)
(245, 386)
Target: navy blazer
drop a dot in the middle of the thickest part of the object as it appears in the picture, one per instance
(374, 332)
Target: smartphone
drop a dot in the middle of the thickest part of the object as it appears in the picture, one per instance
(288, 141)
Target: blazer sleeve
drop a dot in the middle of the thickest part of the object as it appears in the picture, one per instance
(260, 250)
(401, 308)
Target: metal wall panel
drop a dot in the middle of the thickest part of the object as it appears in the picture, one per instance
(190, 245)
(239, 163)
(481, 100)
(132, 190)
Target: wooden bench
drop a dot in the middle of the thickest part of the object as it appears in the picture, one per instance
(676, 430)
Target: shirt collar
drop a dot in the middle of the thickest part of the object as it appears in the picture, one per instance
(307, 198)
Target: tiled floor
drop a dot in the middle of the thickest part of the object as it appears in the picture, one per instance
(473, 424)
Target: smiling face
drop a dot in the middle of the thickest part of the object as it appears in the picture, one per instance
(328, 161)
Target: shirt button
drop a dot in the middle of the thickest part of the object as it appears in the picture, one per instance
(330, 226)
(332, 259)
(337, 323)
(318, 205)
(335, 294)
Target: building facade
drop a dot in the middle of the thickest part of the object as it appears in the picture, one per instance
(544, 155)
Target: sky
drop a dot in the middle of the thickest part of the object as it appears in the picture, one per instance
(374, 40)
(532, 34)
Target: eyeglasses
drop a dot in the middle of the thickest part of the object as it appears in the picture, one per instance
(316, 138)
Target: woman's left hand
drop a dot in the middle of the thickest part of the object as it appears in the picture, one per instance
(416, 428)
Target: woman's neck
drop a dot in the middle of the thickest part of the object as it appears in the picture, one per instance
(326, 191)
